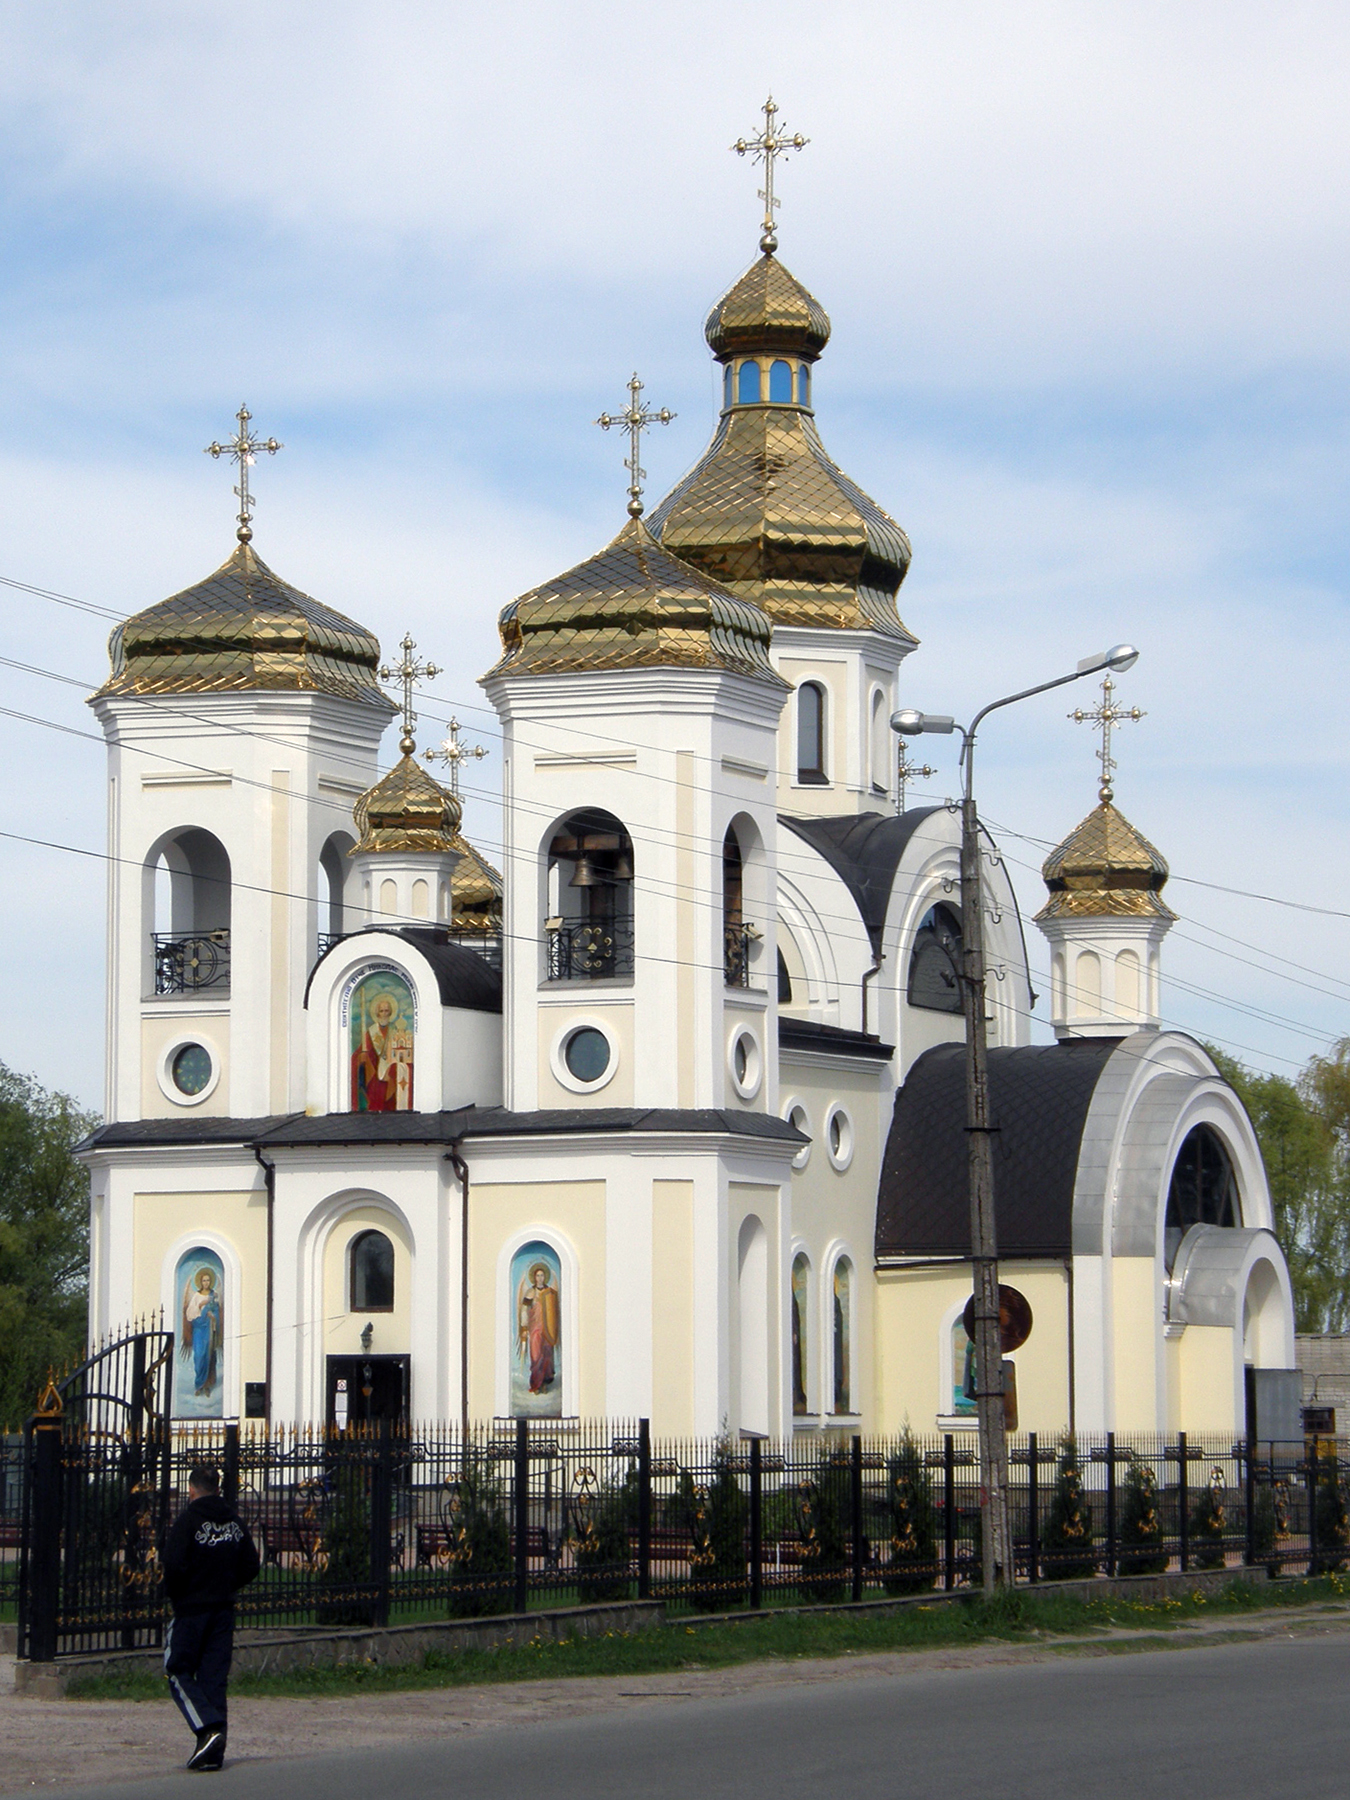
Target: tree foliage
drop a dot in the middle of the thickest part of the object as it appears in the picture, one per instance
(44, 1238)
(1304, 1131)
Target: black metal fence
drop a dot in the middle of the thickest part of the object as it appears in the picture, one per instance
(379, 1524)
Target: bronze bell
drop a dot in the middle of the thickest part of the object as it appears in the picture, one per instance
(585, 875)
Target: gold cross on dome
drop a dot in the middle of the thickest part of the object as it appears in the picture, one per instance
(906, 771)
(243, 449)
(452, 753)
(636, 418)
(406, 673)
(765, 148)
(1106, 715)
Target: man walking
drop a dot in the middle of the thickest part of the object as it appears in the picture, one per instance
(208, 1558)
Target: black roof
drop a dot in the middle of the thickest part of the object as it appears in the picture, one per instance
(864, 850)
(293, 1130)
(1039, 1099)
(802, 1034)
(464, 977)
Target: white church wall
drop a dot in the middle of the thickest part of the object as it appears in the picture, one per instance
(471, 1058)
(342, 1325)
(852, 667)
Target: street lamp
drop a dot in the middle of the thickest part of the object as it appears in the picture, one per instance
(995, 1518)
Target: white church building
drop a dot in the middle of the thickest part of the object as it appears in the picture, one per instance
(667, 1120)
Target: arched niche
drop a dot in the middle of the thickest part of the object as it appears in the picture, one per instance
(1203, 1188)
(800, 1298)
(745, 902)
(333, 870)
(186, 905)
(933, 982)
(589, 873)
(752, 1337)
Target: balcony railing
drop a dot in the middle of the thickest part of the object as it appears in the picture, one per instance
(737, 939)
(184, 965)
(487, 944)
(588, 950)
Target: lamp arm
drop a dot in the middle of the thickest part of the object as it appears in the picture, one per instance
(1043, 687)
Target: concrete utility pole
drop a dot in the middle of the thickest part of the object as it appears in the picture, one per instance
(995, 1513)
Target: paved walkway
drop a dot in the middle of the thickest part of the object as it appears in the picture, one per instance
(67, 1744)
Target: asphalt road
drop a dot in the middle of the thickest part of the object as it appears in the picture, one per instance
(1263, 1719)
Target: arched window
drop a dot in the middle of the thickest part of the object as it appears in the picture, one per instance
(735, 944)
(811, 734)
(882, 739)
(199, 1308)
(536, 1332)
(726, 385)
(188, 901)
(801, 1281)
(1203, 1189)
(843, 1331)
(1128, 984)
(935, 961)
(784, 982)
(804, 385)
(371, 1262)
(380, 1015)
(589, 927)
(780, 383)
(747, 384)
(333, 866)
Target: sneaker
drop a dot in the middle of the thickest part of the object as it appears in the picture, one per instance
(210, 1751)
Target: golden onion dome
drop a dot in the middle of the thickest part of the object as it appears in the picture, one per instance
(407, 810)
(475, 891)
(243, 627)
(767, 309)
(1105, 869)
(633, 606)
(765, 512)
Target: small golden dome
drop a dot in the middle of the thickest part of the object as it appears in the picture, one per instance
(475, 891)
(1105, 869)
(243, 627)
(767, 309)
(407, 810)
(633, 606)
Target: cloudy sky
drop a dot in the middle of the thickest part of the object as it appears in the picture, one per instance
(1086, 265)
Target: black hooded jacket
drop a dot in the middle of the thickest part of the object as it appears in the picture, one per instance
(209, 1556)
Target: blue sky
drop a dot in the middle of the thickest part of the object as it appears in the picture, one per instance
(1087, 271)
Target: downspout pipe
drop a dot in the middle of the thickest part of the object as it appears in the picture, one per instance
(269, 1170)
(878, 958)
(461, 1168)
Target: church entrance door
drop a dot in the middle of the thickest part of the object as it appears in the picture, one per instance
(367, 1387)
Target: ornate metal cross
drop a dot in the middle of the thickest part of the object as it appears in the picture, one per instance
(406, 673)
(243, 449)
(636, 418)
(1106, 715)
(452, 753)
(906, 771)
(765, 148)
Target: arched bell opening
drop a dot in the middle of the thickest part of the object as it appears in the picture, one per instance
(187, 904)
(1203, 1189)
(589, 928)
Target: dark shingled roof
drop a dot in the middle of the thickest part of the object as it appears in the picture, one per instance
(802, 1034)
(289, 1130)
(465, 978)
(1039, 1097)
(864, 850)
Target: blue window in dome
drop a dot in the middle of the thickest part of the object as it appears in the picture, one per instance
(726, 385)
(803, 386)
(747, 387)
(780, 383)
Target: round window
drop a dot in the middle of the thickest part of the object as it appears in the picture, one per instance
(191, 1068)
(587, 1054)
(839, 1138)
(797, 1116)
(743, 1060)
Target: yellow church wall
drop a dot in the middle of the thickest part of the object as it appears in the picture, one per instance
(571, 1213)
(672, 1304)
(914, 1310)
(1135, 1342)
(1204, 1362)
(342, 1328)
(159, 1221)
(586, 1009)
(160, 1030)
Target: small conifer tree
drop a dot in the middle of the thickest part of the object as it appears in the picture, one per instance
(478, 1551)
(1142, 1550)
(1067, 1538)
(716, 1514)
(600, 1541)
(912, 1567)
(1209, 1524)
(1333, 1519)
(346, 1544)
(823, 1512)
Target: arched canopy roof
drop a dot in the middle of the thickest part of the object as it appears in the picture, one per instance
(464, 978)
(864, 850)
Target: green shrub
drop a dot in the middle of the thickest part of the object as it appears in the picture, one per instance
(1209, 1524)
(823, 1511)
(1066, 1540)
(602, 1519)
(1142, 1550)
(715, 1516)
(912, 1566)
(479, 1550)
(1333, 1519)
(346, 1546)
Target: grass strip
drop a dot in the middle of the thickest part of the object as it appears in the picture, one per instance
(676, 1646)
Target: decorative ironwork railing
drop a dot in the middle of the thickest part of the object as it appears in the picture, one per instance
(590, 950)
(737, 939)
(487, 944)
(183, 965)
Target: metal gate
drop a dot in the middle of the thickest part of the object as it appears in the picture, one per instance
(95, 1503)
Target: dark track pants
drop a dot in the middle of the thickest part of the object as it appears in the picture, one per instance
(198, 1647)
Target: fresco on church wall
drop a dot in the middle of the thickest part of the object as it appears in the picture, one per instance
(381, 1019)
(963, 1371)
(843, 1325)
(199, 1386)
(800, 1279)
(536, 1362)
